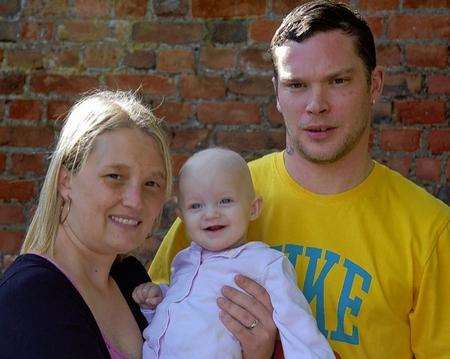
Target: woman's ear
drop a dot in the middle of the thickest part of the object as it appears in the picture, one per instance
(256, 208)
(64, 185)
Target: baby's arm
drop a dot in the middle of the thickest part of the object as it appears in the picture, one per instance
(298, 330)
(148, 295)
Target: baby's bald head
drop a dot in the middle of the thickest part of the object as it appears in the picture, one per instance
(218, 162)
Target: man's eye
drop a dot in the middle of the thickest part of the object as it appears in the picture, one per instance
(340, 81)
(296, 85)
(226, 200)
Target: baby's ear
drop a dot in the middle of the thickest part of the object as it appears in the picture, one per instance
(256, 208)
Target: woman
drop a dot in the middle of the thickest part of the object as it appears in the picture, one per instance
(68, 295)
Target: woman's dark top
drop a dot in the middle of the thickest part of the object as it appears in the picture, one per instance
(42, 315)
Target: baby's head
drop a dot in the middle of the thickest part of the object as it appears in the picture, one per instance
(216, 199)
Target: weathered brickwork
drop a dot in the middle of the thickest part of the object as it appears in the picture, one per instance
(202, 65)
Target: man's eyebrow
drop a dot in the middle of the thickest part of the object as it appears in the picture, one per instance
(341, 72)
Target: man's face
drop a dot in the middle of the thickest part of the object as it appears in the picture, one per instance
(324, 96)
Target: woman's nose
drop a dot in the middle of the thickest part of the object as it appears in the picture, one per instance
(132, 197)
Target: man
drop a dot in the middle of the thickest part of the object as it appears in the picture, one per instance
(371, 249)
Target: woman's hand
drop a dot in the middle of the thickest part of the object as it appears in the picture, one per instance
(249, 317)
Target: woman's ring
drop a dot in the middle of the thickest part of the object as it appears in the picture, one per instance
(254, 324)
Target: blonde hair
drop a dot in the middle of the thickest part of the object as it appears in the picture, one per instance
(89, 117)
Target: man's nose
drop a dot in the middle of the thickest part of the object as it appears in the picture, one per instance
(318, 101)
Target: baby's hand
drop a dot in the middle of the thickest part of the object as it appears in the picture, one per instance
(147, 295)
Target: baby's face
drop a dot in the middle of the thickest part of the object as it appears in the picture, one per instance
(215, 209)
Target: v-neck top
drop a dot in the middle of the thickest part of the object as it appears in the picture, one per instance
(44, 316)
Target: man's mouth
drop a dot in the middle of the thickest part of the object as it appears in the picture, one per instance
(214, 228)
(319, 128)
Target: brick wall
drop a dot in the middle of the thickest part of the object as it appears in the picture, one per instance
(203, 64)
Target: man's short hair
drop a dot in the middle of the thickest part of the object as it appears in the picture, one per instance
(319, 16)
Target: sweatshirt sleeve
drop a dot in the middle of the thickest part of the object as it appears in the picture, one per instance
(298, 330)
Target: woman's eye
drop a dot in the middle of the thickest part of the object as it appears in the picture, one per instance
(153, 184)
(195, 206)
(114, 176)
(226, 200)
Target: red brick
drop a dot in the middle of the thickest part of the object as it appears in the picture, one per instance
(274, 116)
(127, 8)
(371, 5)
(62, 84)
(282, 7)
(66, 57)
(425, 111)
(10, 241)
(228, 113)
(402, 83)
(9, 7)
(188, 140)
(171, 8)
(28, 59)
(26, 136)
(428, 169)
(2, 161)
(255, 59)
(174, 112)
(447, 170)
(40, 30)
(175, 60)
(11, 83)
(167, 33)
(103, 56)
(382, 110)
(177, 162)
(46, 8)
(419, 27)
(251, 86)
(217, 58)
(149, 84)
(20, 190)
(92, 8)
(427, 55)
(58, 110)
(407, 140)
(23, 163)
(389, 55)
(439, 84)
(9, 31)
(376, 24)
(82, 31)
(141, 59)
(227, 8)
(11, 214)
(192, 87)
(262, 30)
(415, 4)
(399, 164)
(25, 110)
(439, 141)
(252, 141)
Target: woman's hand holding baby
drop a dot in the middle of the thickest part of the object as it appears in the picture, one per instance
(249, 317)
(148, 295)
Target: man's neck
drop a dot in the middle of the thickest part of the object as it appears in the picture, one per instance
(329, 178)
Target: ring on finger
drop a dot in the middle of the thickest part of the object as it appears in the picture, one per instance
(254, 324)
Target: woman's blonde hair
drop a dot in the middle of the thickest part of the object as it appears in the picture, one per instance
(89, 117)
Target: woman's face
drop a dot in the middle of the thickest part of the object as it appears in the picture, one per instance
(118, 194)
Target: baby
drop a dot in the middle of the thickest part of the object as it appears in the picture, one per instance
(216, 203)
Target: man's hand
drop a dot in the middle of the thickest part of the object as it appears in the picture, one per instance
(147, 295)
(249, 317)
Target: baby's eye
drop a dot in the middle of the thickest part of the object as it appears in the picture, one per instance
(195, 206)
(226, 200)
(114, 176)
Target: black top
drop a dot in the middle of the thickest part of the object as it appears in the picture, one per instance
(42, 315)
